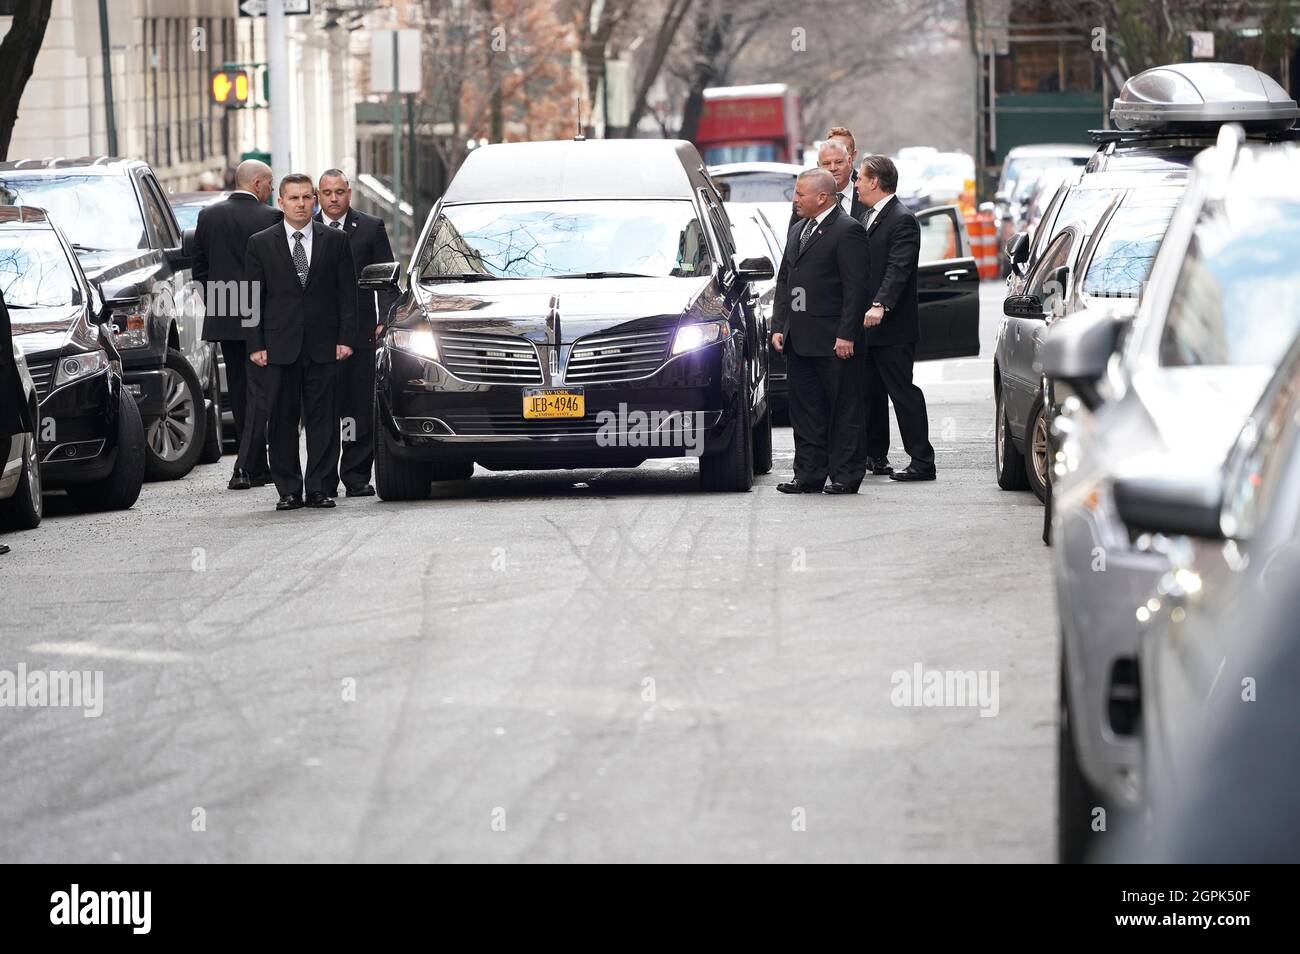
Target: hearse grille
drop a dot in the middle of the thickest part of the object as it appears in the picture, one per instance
(617, 357)
(490, 359)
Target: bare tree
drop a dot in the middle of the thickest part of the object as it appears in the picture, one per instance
(17, 59)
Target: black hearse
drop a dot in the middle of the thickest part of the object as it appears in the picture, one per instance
(573, 304)
(88, 431)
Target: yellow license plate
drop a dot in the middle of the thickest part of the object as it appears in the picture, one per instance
(541, 403)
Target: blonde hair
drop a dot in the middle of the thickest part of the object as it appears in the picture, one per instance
(843, 132)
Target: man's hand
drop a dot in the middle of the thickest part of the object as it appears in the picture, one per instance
(843, 348)
(778, 341)
(873, 317)
(341, 352)
(379, 332)
(258, 358)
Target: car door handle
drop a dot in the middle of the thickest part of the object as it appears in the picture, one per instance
(955, 274)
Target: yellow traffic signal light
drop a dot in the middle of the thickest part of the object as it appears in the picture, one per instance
(230, 87)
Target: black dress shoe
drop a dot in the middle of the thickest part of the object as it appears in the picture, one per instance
(290, 502)
(794, 487)
(364, 491)
(319, 501)
(835, 487)
(912, 474)
(239, 480)
(879, 468)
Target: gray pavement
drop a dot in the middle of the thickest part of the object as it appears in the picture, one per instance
(574, 666)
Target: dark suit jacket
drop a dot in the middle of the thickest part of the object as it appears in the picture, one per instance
(893, 254)
(370, 245)
(220, 239)
(317, 316)
(831, 273)
(15, 417)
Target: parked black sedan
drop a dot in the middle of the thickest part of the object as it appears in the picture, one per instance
(592, 313)
(89, 436)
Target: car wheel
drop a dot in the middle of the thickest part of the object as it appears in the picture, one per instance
(212, 442)
(120, 489)
(397, 478)
(763, 443)
(23, 510)
(175, 440)
(1076, 799)
(1010, 463)
(732, 468)
(1036, 462)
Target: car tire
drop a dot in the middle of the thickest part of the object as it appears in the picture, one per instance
(24, 509)
(397, 478)
(1076, 799)
(458, 470)
(1036, 462)
(121, 488)
(763, 443)
(1007, 460)
(731, 470)
(212, 443)
(174, 441)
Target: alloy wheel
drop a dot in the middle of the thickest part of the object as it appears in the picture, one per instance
(171, 434)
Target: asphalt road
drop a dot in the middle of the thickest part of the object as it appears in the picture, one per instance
(583, 666)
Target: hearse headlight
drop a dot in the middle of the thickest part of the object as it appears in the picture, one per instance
(72, 367)
(690, 337)
(419, 342)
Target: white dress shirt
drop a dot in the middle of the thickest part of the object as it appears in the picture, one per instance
(846, 198)
(329, 223)
(306, 238)
(877, 209)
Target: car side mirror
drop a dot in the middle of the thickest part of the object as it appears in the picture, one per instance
(178, 257)
(1023, 306)
(1018, 248)
(757, 269)
(1160, 496)
(382, 276)
(1077, 352)
(188, 242)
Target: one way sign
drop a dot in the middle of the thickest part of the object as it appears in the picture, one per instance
(257, 8)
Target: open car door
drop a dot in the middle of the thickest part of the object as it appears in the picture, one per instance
(948, 287)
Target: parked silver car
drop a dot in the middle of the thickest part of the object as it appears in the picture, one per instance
(1176, 384)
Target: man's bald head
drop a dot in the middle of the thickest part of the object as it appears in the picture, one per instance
(254, 176)
(814, 191)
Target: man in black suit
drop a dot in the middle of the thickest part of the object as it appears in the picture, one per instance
(307, 323)
(835, 158)
(356, 384)
(221, 238)
(817, 325)
(892, 322)
(15, 415)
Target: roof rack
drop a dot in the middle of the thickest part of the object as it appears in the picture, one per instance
(1199, 131)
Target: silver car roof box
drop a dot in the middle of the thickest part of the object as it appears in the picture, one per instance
(1187, 96)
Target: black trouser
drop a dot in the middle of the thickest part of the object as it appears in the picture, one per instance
(889, 374)
(826, 416)
(355, 396)
(249, 403)
(303, 389)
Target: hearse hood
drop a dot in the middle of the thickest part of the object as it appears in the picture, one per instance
(578, 306)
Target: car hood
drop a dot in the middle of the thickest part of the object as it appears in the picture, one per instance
(38, 331)
(584, 305)
(120, 268)
(1198, 412)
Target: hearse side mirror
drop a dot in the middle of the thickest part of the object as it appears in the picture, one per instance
(382, 276)
(1161, 496)
(1077, 352)
(182, 256)
(1023, 306)
(757, 269)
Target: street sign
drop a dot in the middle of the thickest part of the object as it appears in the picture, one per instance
(230, 87)
(381, 61)
(257, 8)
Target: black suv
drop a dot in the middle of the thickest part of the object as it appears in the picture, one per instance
(122, 228)
(88, 431)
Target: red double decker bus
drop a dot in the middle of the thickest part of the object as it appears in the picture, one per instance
(750, 124)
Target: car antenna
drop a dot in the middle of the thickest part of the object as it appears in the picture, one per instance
(579, 137)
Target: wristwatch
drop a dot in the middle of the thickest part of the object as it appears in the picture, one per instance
(876, 304)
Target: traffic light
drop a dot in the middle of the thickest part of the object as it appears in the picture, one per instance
(230, 88)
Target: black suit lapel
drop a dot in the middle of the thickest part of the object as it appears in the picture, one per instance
(281, 240)
(317, 252)
(816, 233)
(883, 214)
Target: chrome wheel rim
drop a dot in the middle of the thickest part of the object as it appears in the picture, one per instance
(171, 435)
(1039, 452)
(34, 476)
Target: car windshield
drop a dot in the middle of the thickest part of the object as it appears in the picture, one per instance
(94, 211)
(1237, 299)
(34, 271)
(1122, 261)
(759, 186)
(550, 239)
